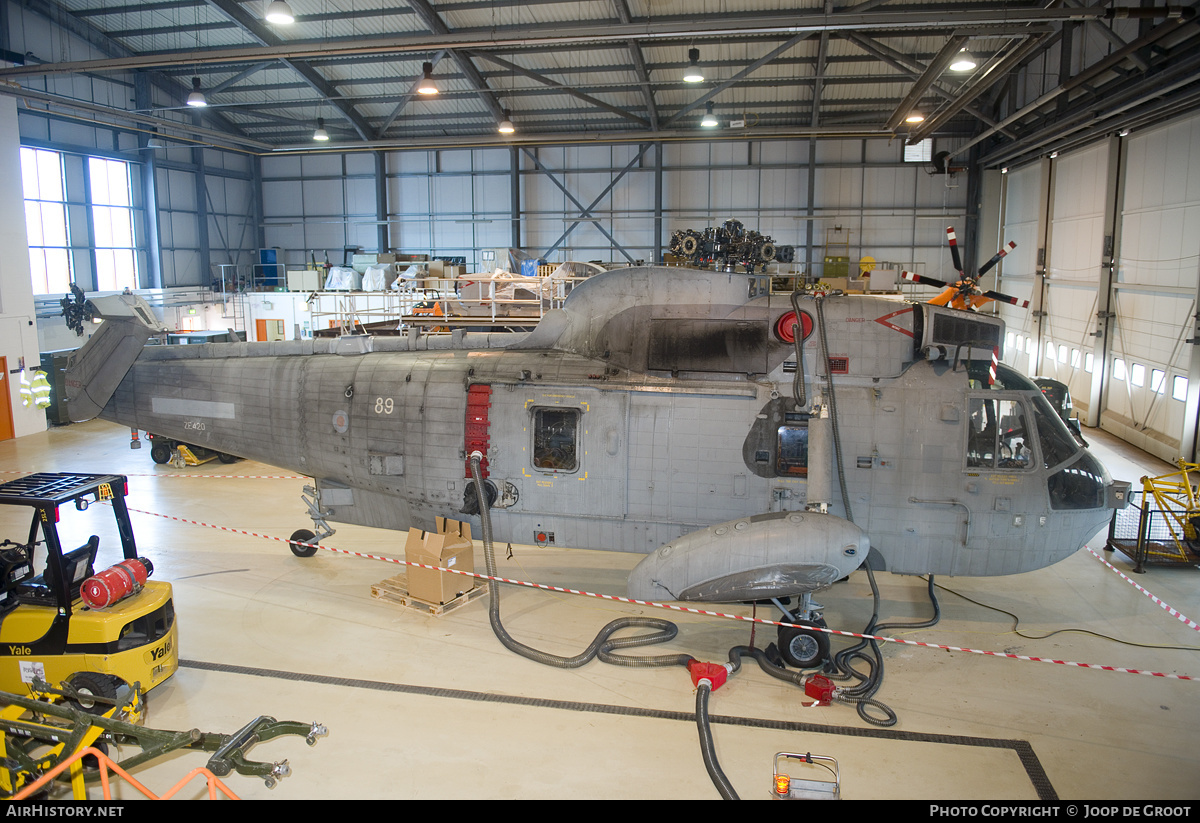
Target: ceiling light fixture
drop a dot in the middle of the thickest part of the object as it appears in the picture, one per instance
(279, 13)
(964, 61)
(692, 73)
(427, 85)
(915, 117)
(196, 98)
(320, 135)
(710, 119)
(506, 125)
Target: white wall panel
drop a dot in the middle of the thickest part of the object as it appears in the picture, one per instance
(1077, 229)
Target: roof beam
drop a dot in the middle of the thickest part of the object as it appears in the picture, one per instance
(932, 72)
(477, 81)
(546, 81)
(556, 34)
(406, 99)
(995, 72)
(256, 29)
(753, 67)
(639, 64)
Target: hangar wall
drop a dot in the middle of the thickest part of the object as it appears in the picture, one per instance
(615, 202)
(1109, 255)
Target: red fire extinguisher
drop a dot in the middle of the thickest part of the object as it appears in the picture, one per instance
(115, 583)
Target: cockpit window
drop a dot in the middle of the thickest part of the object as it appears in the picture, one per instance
(1058, 445)
(999, 436)
(1007, 379)
(1080, 485)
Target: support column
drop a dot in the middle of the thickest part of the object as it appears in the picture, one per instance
(153, 275)
(1106, 279)
(382, 238)
(514, 195)
(1037, 299)
(658, 203)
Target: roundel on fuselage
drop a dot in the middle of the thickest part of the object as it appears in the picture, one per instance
(785, 326)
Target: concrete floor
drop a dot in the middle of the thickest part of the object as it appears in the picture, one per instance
(419, 706)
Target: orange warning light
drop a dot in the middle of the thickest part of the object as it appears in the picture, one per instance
(782, 783)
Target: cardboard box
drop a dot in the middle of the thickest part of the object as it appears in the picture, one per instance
(450, 548)
(305, 280)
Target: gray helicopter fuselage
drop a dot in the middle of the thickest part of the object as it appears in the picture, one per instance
(657, 403)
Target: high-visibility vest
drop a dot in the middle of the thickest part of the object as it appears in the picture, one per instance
(35, 392)
(41, 389)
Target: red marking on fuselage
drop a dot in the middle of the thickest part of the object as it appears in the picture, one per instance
(883, 321)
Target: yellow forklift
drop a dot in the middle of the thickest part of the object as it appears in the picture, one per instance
(95, 633)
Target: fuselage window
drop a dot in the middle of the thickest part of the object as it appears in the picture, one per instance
(999, 436)
(556, 439)
(792, 453)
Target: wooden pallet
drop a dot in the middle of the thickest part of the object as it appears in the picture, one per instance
(395, 590)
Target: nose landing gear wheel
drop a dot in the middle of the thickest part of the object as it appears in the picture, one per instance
(803, 648)
(303, 536)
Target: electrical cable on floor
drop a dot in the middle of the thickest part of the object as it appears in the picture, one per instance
(602, 646)
(1017, 622)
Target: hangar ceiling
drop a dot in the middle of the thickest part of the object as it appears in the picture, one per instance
(1047, 75)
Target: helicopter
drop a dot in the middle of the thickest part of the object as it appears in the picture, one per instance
(755, 446)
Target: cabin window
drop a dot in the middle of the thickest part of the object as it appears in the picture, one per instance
(999, 435)
(556, 439)
(791, 456)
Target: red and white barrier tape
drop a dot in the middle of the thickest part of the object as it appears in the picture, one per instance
(1182, 618)
(673, 607)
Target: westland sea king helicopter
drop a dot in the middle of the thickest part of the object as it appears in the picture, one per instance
(755, 446)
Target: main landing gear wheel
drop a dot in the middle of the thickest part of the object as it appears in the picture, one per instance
(803, 648)
(303, 536)
(160, 453)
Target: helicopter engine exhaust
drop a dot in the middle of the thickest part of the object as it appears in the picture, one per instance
(779, 554)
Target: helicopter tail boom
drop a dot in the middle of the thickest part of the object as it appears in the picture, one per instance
(97, 368)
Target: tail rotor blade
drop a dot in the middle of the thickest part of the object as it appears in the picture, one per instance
(996, 258)
(953, 238)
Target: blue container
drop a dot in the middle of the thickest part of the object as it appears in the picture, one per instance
(529, 267)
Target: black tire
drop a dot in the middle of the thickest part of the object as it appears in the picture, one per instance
(227, 458)
(160, 453)
(803, 648)
(94, 683)
(303, 536)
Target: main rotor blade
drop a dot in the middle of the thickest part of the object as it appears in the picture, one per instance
(953, 238)
(922, 279)
(1007, 298)
(996, 258)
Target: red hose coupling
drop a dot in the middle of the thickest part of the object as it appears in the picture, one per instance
(819, 687)
(714, 673)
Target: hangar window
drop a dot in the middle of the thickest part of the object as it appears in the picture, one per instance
(1179, 388)
(556, 439)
